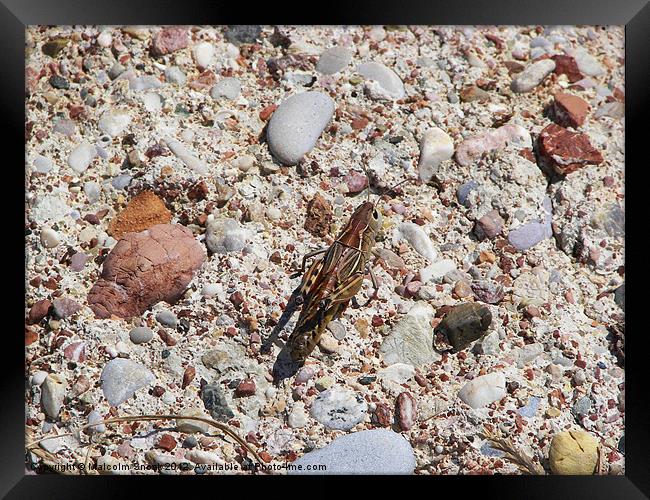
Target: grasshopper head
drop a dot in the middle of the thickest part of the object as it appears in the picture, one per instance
(369, 213)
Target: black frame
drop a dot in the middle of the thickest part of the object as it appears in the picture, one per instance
(15, 15)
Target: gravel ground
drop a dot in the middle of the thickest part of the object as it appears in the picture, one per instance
(188, 147)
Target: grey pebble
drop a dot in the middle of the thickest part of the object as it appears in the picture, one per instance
(385, 77)
(141, 335)
(297, 124)
(333, 60)
(229, 88)
(167, 318)
(173, 74)
(377, 451)
(121, 378)
(121, 181)
(242, 33)
(78, 261)
(215, 402)
(532, 76)
(464, 190)
(582, 406)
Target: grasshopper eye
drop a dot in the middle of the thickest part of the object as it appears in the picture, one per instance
(375, 214)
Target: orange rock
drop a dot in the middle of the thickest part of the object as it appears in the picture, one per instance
(142, 212)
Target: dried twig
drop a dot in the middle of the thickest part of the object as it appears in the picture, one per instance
(523, 462)
(33, 445)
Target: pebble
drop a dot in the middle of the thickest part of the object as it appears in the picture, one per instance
(473, 148)
(81, 156)
(53, 392)
(435, 147)
(339, 408)
(296, 125)
(569, 110)
(464, 190)
(587, 63)
(216, 403)
(337, 329)
(64, 127)
(488, 291)
(298, 417)
(566, 151)
(58, 82)
(489, 226)
(532, 75)
(334, 60)
(203, 53)
(406, 410)
(92, 191)
(573, 452)
(78, 261)
(383, 84)
(212, 289)
(64, 307)
(173, 74)
(613, 109)
(243, 33)
(167, 318)
(50, 238)
(169, 39)
(230, 88)
(377, 451)
(121, 378)
(581, 407)
(418, 239)
(410, 341)
(530, 409)
(464, 324)
(225, 235)
(38, 377)
(121, 181)
(94, 417)
(42, 164)
(204, 457)
(141, 335)
(184, 154)
(399, 373)
(114, 122)
(436, 272)
(152, 102)
(484, 390)
(619, 296)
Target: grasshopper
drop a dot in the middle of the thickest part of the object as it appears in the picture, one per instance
(333, 280)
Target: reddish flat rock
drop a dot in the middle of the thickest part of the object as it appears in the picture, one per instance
(145, 268)
(169, 39)
(566, 151)
(570, 110)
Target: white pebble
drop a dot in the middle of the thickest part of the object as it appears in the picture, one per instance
(435, 147)
(114, 122)
(212, 289)
(49, 238)
(484, 390)
(152, 102)
(53, 393)
(273, 213)
(38, 377)
(81, 157)
(105, 39)
(42, 164)
(418, 239)
(244, 163)
(203, 53)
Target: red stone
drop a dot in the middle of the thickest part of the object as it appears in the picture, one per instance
(75, 352)
(266, 113)
(30, 336)
(188, 376)
(570, 110)
(167, 442)
(566, 151)
(382, 415)
(356, 182)
(38, 311)
(168, 40)
(406, 409)
(566, 65)
(245, 388)
(237, 299)
(319, 216)
(204, 81)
